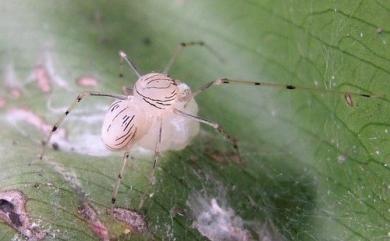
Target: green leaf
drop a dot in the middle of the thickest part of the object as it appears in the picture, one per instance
(315, 167)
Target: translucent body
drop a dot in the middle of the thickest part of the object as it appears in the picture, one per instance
(159, 113)
(137, 120)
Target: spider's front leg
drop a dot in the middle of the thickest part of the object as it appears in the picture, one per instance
(225, 81)
(78, 99)
(180, 47)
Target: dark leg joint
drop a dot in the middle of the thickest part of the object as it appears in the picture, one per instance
(155, 161)
(290, 87)
(66, 112)
(55, 146)
(119, 176)
(113, 200)
(54, 129)
(225, 81)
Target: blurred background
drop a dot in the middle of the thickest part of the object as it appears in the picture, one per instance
(316, 165)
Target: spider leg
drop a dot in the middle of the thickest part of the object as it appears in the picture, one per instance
(347, 94)
(156, 157)
(79, 98)
(119, 178)
(158, 144)
(216, 126)
(131, 64)
(180, 47)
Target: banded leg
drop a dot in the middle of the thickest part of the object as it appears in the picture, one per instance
(131, 64)
(158, 143)
(125, 88)
(119, 178)
(347, 94)
(180, 47)
(217, 127)
(79, 98)
(156, 157)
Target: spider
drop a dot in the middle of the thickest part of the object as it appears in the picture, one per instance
(156, 97)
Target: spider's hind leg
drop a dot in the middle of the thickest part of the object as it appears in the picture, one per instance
(152, 175)
(233, 141)
(119, 178)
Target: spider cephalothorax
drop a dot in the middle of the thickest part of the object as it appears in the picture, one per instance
(157, 90)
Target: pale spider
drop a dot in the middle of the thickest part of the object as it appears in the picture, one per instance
(157, 96)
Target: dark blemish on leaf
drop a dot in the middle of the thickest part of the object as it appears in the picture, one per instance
(55, 146)
(15, 219)
(13, 213)
(132, 219)
(223, 158)
(54, 128)
(6, 206)
(146, 41)
(89, 214)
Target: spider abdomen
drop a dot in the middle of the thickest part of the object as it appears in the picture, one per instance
(123, 125)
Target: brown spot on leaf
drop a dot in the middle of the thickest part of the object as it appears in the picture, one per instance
(87, 81)
(3, 102)
(15, 92)
(43, 78)
(89, 214)
(132, 219)
(13, 213)
(224, 157)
